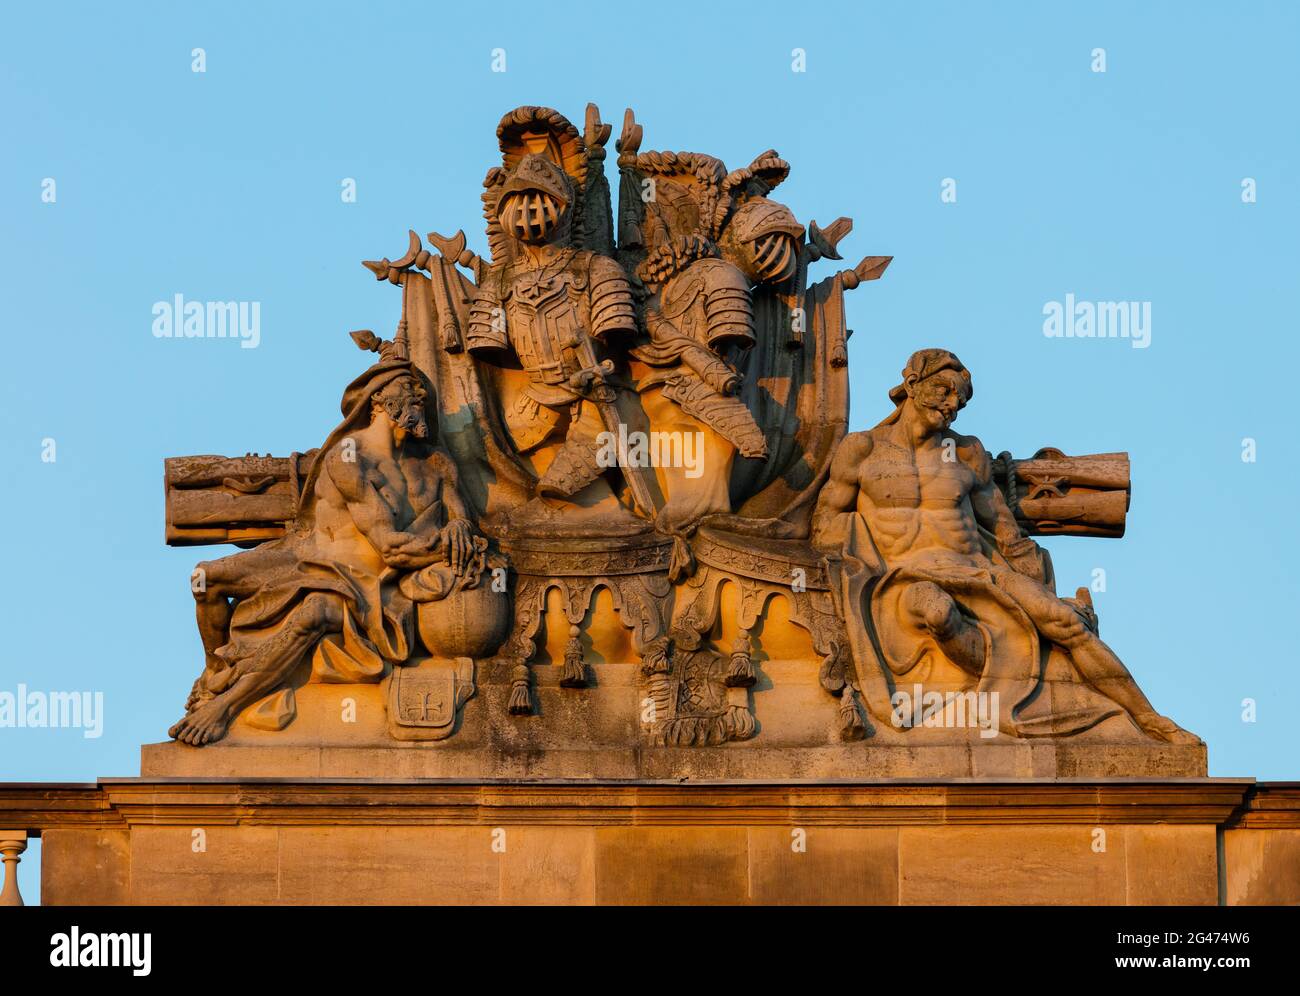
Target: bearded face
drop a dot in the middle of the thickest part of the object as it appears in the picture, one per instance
(403, 402)
(940, 397)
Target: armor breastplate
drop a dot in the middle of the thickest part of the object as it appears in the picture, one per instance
(710, 302)
(682, 304)
(545, 316)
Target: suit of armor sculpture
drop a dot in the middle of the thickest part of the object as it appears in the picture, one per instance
(697, 314)
(562, 312)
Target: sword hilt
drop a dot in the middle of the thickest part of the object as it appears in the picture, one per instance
(591, 381)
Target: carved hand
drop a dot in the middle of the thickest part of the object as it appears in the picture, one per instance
(458, 539)
(1082, 604)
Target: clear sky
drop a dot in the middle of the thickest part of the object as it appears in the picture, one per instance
(226, 185)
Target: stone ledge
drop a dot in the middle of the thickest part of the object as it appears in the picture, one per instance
(374, 802)
(743, 761)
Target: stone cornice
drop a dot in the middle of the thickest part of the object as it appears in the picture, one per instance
(1271, 806)
(123, 803)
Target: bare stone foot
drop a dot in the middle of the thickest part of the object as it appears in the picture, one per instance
(1164, 728)
(204, 725)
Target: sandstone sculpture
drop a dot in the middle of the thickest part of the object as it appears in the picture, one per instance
(382, 529)
(646, 436)
(935, 567)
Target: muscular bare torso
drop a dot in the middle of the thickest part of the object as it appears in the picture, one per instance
(400, 488)
(916, 501)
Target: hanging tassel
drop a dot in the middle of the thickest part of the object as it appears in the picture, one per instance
(575, 671)
(520, 704)
(839, 354)
(851, 725)
(741, 673)
(655, 660)
(448, 325)
(401, 346)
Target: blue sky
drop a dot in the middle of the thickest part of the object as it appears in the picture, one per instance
(225, 185)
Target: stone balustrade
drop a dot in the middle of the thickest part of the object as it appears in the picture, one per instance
(12, 844)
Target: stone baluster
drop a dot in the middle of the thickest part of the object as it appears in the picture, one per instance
(12, 844)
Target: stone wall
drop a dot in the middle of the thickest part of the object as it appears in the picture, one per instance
(280, 841)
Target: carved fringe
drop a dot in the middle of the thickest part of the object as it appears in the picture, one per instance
(737, 723)
(740, 723)
(741, 673)
(575, 670)
(521, 704)
(851, 725)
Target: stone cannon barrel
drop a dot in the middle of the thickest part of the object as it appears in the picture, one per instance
(242, 500)
(1053, 494)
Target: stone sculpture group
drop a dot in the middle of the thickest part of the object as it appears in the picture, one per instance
(661, 415)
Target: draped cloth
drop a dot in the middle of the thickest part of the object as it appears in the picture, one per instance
(887, 652)
(378, 608)
(381, 612)
(469, 414)
(800, 399)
